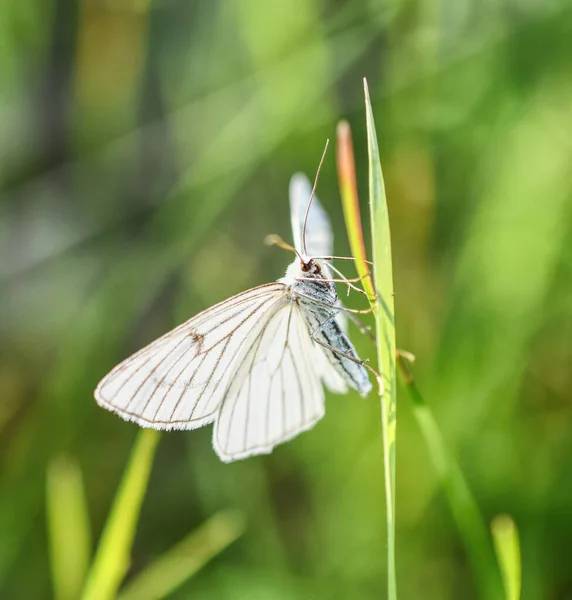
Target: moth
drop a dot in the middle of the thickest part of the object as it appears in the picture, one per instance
(256, 364)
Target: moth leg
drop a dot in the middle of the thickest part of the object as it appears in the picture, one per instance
(364, 311)
(340, 258)
(363, 328)
(363, 363)
(348, 282)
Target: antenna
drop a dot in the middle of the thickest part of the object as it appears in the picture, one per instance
(312, 197)
(276, 240)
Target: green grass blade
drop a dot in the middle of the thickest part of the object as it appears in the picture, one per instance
(507, 546)
(68, 528)
(177, 565)
(113, 554)
(385, 328)
(464, 508)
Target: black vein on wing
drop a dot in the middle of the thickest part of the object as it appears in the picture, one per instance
(297, 371)
(249, 297)
(196, 321)
(226, 339)
(151, 348)
(315, 384)
(161, 381)
(237, 370)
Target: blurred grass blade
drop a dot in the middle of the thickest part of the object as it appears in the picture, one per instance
(113, 554)
(187, 557)
(350, 203)
(507, 546)
(463, 505)
(68, 527)
(385, 328)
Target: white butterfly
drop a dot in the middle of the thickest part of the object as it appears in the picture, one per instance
(253, 364)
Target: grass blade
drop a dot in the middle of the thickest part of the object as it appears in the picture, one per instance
(180, 563)
(507, 546)
(463, 505)
(385, 329)
(113, 554)
(68, 527)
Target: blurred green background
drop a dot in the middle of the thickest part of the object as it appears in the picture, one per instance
(146, 152)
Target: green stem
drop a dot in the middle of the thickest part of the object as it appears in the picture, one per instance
(463, 505)
(113, 554)
(384, 313)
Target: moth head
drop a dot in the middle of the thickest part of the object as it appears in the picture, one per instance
(311, 266)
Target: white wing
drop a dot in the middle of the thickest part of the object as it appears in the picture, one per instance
(179, 380)
(319, 237)
(276, 391)
(319, 242)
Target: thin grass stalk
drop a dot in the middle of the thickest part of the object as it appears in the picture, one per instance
(507, 546)
(380, 293)
(173, 568)
(112, 559)
(464, 508)
(68, 527)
